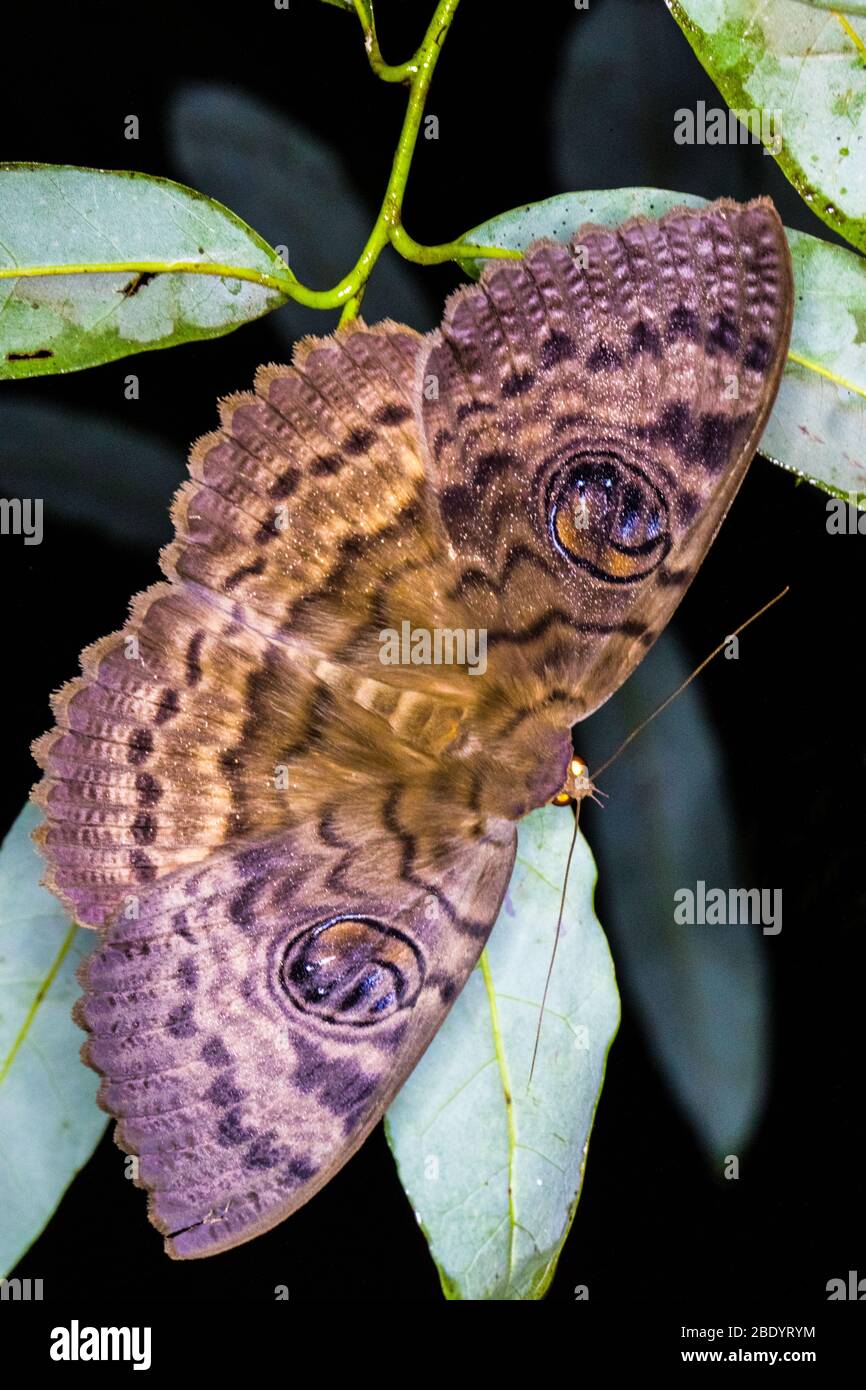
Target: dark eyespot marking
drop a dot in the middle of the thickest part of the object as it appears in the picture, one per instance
(607, 516)
(224, 1092)
(490, 466)
(285, 483)
(144, 828)
(264, 1153)
(758, 354)
(517, 384)
(149, 790)
(359, 442)
(353, 971)
(683, 323)
(326, 465)
(215, 1054)
(469, 408)
(603, 358)
(631, 511)
(458, 507)
(723, 336)
(713, 438)
(673, 424)
(180, 1022)
(193, 658)
(169, 706)
(244, 572)
(142, 867)
(140, 746)
(187, 975)
(645, 338)
(559, 347)
(392, 414)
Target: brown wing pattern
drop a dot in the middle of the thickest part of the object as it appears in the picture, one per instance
(598, 406)
(192, 726)
(256, 1018)
(296, 852)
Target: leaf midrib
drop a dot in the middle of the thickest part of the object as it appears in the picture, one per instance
(511, 1129)
(40, 994)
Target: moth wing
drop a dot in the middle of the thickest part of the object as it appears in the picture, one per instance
(259, 824)
(254, 1020)
(234, 693)
(598, 405)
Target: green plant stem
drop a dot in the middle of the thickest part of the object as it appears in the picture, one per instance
(412, 250)
(388, 227)
(389, 72)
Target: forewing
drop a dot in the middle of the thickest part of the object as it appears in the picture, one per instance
(197, 723)
(597, 406)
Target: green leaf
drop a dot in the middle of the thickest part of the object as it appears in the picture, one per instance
(295, 189)
(818, 425)
(840, 6)
(701, 991)
(804, 70)
(56, 216)
(601, 53)
(494, 1170)
(49, 1121)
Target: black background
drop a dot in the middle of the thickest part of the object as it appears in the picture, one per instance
(655, 1227)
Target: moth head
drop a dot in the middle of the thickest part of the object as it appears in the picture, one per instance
(577, 784)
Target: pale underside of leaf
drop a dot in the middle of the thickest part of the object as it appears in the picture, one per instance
(96, 264)
(49, 1121)
(493, 1169)
(804, 67)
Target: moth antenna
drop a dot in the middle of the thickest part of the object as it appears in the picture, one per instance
(555, 944)
(563, 796)
(680, 688)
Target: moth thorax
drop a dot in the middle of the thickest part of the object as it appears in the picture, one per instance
(526, 770)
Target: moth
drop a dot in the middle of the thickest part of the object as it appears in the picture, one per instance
(294, 850)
